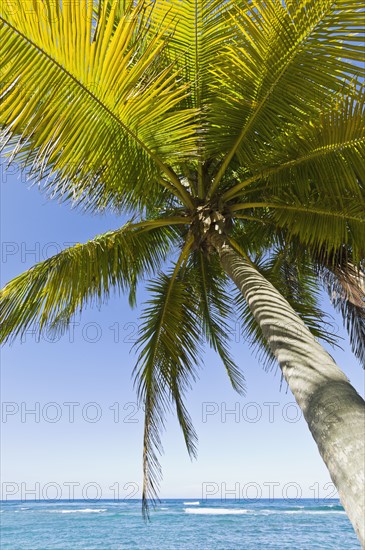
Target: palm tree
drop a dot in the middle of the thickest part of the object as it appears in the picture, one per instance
(233, 134)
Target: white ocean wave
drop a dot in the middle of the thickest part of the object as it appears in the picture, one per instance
(313, 512)
(193, 503)
(235, 511)
(295, 512)
(216, 511)
(83, 511)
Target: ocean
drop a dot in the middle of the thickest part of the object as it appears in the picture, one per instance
(187, 524)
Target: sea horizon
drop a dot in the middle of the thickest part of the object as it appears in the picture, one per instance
(181, 523)
(162, 499)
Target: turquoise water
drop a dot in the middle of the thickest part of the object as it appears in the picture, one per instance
(176, 524)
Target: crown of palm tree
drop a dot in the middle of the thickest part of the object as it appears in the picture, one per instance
(236, 120)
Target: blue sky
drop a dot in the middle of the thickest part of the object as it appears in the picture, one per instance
(86, 431)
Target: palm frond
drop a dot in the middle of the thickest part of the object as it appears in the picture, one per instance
(314, 219)
(345, 284)
(199, 30)
(169, 351)
(87, 104)
(49, 294)
(326, 154)
(215, 306)
(255, 233)
(267, 78)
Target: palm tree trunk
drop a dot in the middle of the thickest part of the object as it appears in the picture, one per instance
(334, 411)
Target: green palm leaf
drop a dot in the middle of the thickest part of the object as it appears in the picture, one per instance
(169, 345)
(326, 154)
(51, 292)
(315, 223)
(268, 79)
(345, 284)
(199, 29)
(215, 306)
(94, 111)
